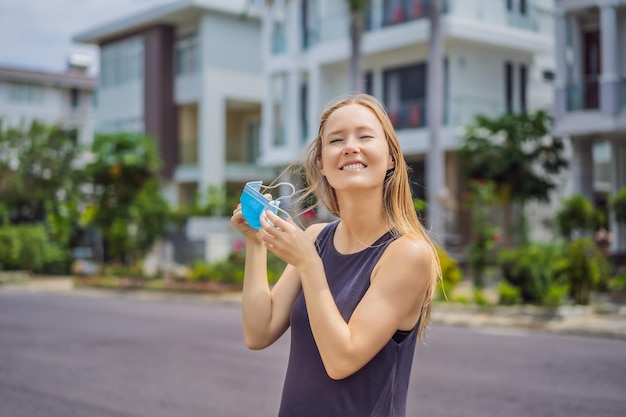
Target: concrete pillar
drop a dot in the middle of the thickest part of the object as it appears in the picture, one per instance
(291, 112)
(435, 175)
(582, 167)
(315, 106)
(267, 109)
(609, 80)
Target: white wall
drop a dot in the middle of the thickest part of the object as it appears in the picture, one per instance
(229, 42)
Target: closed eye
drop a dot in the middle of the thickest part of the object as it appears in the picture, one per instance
(335, 140)
(366, 137)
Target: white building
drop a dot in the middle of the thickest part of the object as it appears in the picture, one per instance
(590, 99)
(189, 74)
(498, 56)
(50, 97)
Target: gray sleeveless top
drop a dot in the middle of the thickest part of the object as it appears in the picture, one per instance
(379, 389)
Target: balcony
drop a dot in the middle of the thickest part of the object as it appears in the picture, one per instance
(622, 94)
(582, 96)
(409, 115)
(400, 11)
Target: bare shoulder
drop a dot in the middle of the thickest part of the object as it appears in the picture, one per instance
(313, 230)
(407, 259)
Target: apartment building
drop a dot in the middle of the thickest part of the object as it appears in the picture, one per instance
(189, 74)
(51, 97)
(590, 96)
(498, 56)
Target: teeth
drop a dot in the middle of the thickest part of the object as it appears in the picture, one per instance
(353, 167)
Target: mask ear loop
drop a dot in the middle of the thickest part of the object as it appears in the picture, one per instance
(293, 191)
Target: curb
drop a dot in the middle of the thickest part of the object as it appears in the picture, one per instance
(567, 320)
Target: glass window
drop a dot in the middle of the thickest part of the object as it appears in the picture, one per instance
(187, 55)
(121, 62)
(279, 97)
(27, 94)
(508, 86)
(405, 95)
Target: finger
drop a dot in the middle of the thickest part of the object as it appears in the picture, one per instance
(268, 196)
(277, 220)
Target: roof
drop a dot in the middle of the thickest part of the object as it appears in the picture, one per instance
(54, 79)
(174, 13)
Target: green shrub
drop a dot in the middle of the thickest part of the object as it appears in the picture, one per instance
(587, 267)
(231, 270)
(555, 295)
(532, 269)
(451, 274)
(617, 283)
(28, 248)
(479, 297)
(508, 294)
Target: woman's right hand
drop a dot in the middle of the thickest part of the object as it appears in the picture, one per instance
(242, 225)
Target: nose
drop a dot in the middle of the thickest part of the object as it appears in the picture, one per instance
(351, 145)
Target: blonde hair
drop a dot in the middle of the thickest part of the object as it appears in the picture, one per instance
(398, 210)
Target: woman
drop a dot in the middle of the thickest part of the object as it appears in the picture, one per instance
(356, 292)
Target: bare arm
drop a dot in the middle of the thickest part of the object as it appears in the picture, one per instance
(265, 311)
(393, 300)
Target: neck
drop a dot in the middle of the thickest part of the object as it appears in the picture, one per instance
(361, 219)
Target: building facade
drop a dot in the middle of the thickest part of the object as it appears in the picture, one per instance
(498, 56)
(189, 74)
(590, 96)
(50, 97)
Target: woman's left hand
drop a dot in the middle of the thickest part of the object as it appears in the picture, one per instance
(286, 240)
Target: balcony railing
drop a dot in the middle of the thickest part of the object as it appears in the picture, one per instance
(583, 95)
(409, 115)
(188, 152)
(399, 11)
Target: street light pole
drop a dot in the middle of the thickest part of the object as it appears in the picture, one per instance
(435, 174)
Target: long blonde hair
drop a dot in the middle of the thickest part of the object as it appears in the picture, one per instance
(398, 210)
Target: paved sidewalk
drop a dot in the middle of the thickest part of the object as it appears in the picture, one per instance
(596, 321)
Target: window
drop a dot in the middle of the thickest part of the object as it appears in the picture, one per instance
(509, 4)
(121, 62)
(508, 86)
(279, 97)
(405, 95)
(304, 108)
(522, 7)
(369, 83)
(75, 97)
(548, 75)
(187, 55)
(28, 94)
(523, 81)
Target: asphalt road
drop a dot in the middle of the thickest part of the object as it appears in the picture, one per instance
(67, 355)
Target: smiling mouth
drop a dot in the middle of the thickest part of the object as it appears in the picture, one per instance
(352, 167)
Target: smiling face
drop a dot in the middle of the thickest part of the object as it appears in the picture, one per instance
(354, 149)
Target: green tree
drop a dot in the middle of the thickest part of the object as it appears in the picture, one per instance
(483, 233)
(575, 217)
(126, 204)
(516, 152)
(37, 175)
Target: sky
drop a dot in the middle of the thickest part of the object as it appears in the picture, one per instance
(37, 34)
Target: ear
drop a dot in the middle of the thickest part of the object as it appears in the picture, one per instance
(320, 166)
(392, 162)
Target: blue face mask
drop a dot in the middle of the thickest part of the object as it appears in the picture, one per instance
(254, 204)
